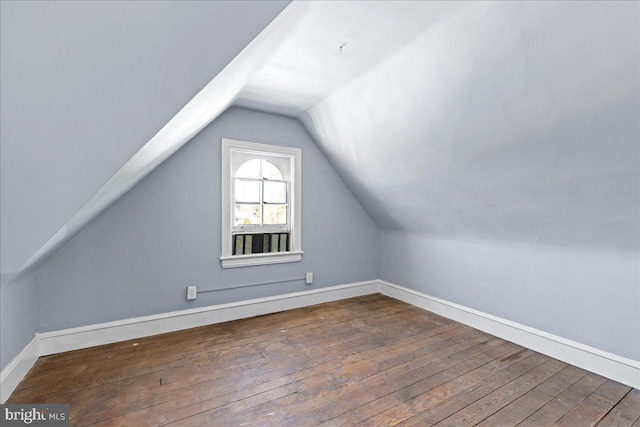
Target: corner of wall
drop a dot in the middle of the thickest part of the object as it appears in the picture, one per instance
(18, 315)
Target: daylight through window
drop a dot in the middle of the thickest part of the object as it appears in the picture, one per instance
(261, 204)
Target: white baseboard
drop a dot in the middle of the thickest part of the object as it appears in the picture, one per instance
(15, 370)
(621, 369)
(609, 365)
(121, 330)
(60, 341)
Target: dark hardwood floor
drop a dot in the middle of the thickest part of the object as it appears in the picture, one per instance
(370, 361)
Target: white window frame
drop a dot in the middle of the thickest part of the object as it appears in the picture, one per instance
(228, 259)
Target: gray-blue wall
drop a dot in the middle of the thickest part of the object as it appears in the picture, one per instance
(590, 296)
(18, 315)
(85, 84)
(138, 256)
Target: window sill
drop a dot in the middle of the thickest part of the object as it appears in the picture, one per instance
(260, 259)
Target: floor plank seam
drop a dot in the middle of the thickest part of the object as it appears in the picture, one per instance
(365, 361)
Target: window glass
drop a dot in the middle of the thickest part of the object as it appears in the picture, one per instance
(260, 204)
(275, 214)
(247, 214)
(260, 194)
(275, 192)
(250, 169)
(247, 191)
(270, 171)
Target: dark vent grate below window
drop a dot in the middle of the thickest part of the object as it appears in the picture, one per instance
(244, 244)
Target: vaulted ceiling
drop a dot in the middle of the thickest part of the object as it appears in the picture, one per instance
(501, 120)
(497, 120)
(85, 86)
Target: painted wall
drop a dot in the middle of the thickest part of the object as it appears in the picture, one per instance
(138, 256)
(87, 84)
(18, 316)
(589, 296)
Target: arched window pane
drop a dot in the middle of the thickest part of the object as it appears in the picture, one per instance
(249, 169)
(271, 171)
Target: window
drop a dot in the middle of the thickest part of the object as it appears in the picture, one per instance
(260, 204)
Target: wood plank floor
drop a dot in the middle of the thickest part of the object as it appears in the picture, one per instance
(370, 361)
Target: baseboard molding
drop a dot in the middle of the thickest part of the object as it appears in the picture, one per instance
(60, 341)
(122, 330)
(609, 365)
(15, 370)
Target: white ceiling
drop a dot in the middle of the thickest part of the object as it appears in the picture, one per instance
(333, 42)
(498, 120)
(502, 120)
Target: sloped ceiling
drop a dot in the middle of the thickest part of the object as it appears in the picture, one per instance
(505, 120)
(84, 86)
(500, 120)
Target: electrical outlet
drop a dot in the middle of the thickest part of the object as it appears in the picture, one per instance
(192, 292)
(308, 278)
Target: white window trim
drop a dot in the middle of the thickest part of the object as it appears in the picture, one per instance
(295, 206)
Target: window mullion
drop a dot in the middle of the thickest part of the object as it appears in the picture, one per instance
(262, 202)
(261, 194)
